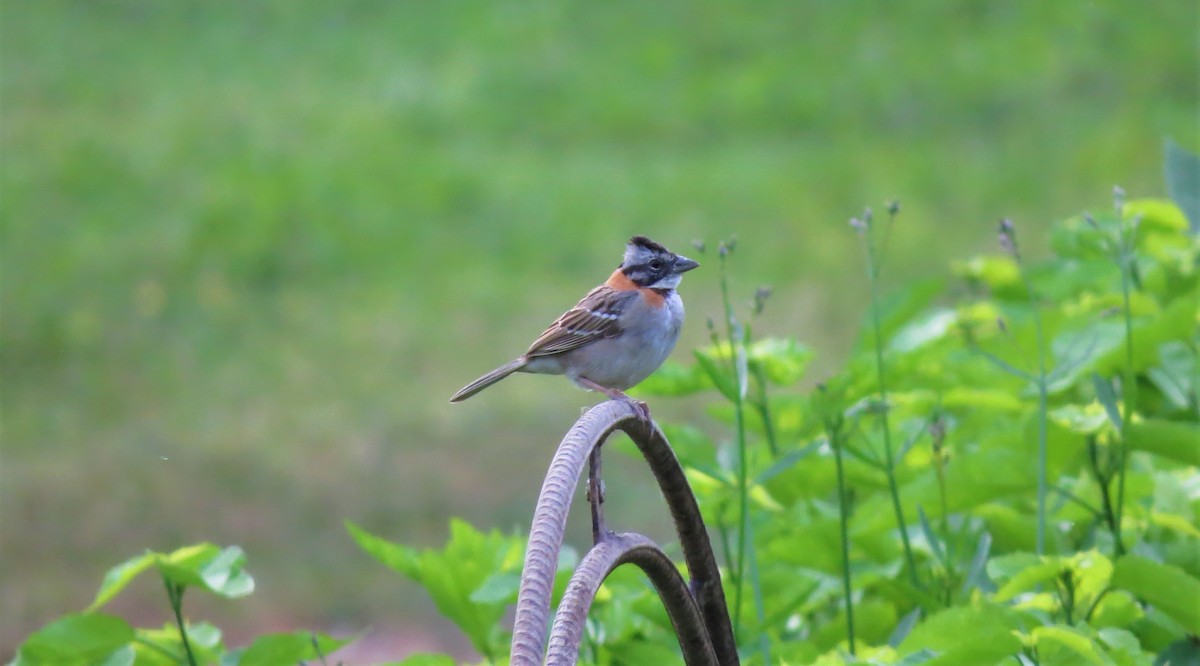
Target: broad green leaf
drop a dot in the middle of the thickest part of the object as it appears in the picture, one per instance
(1124, 647)
(691, 445)
(203, 637)
(1168, 588)
(81, 639)
(1118, 608)
(897, 309)
(393, 555)
(224, 575)
(1059, 644)
(999, 273)
(1175, 523)
(293, 648)
(183, 566)
(873, 621)
(118, 577)
(125, 656)
(674, 379)
(1183, 652)
(1043, 571)
(904, 626)
(782, 360)
(980, 633)
(1183, 181)
(1085, 420)
(500, 587)
(1170, 439)
(922, 330)
(718, 371)
(451, 576)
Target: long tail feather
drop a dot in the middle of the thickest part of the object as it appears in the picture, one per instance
(488, 379)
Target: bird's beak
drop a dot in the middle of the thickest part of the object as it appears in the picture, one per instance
(683, 264)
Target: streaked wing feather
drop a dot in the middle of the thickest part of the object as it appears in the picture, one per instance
(594, 318)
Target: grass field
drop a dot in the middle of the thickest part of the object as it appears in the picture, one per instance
(250, 249)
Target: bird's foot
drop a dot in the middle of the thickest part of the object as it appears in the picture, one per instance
(640, 406)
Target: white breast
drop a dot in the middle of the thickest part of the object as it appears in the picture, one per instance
(649, 336)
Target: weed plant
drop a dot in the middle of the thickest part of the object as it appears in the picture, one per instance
(1033, 555)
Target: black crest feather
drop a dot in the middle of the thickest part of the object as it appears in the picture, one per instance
(642, 241)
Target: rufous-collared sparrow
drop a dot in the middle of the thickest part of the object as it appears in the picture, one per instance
(616, 335)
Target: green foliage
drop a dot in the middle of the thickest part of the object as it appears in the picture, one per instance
(232, 242)
(1114, 409)
(92, 637)
(471, 581)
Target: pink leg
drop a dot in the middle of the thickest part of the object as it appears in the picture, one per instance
(616, 394)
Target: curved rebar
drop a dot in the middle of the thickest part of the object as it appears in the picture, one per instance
(550, 517)
(610, 553)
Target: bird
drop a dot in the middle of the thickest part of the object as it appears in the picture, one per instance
(616, 335)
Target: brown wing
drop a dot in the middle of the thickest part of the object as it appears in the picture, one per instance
(594, 318)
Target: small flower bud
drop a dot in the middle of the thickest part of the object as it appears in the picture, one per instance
(699, 245)
(1008, 238)
(893, 207)
(760, 299)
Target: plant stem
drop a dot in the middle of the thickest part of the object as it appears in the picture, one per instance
(175, 595)
(760, 612)
(737, 358)
(844, 520)
(889, 462)
(1102, 480)
(1125, 258)
(1043, 409)
(763, 406)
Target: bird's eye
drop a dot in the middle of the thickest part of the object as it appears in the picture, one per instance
(656, 264)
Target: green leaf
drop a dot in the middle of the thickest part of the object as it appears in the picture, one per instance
(500, 587)
(896, 310)
(929, 327)
(1183, 181)
(1166, 587)
(782, 360)
(118, 577)
(183, 565)
(125, 656)
(1118, 608)
(223, 574)
(977, 573)
(1085, 420)
(453, 575)
(930, 536)
(1042, 570)
(1058, 644)
(293, 648)
(1183, 652)
(674, 379)
(1170, 439)
(717, 372)
(976, 634)
(393, 555)
(78, 638)
(1107, 398)
(1124, 647)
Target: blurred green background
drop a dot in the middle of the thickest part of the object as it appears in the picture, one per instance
(250, 249)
